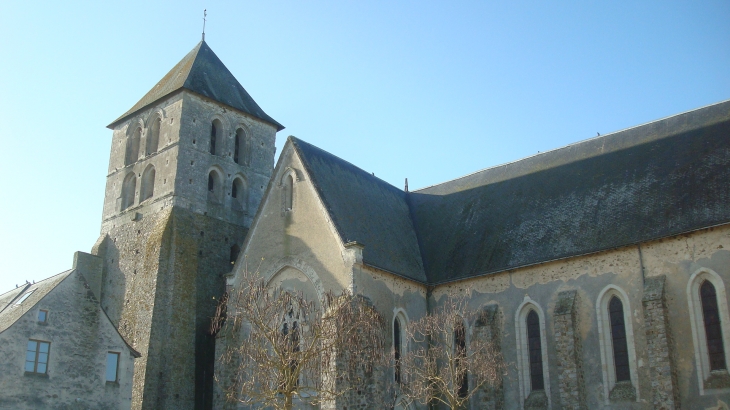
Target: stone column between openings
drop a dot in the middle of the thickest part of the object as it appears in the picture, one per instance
(489, 326)
(569, 352)
(658, 341)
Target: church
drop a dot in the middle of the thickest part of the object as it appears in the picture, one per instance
(602, 264)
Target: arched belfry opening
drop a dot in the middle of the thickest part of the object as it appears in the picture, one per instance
(131, 154)
(129, 186)
(216, 136)
(148, 183)
(153, 138)
(215, 187)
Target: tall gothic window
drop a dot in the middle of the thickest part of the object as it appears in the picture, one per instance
(289, 193)
(535, 351)
(713, 328)
(618, 338)
(460, 354)
(397, 349)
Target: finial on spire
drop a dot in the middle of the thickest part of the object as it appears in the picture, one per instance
(205, 14)
(406, 184)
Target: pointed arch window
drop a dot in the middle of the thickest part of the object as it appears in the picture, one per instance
(288, 192)
(129, 186)
(534, 343)
(713, 326)
(397, 349)
(148, 183)
(153, 138)
(460, 355)
(618, 338)
(131, 154)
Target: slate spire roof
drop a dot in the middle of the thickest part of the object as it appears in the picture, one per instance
(202, 72)
(657, 180)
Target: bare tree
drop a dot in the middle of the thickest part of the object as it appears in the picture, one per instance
(280, 346)
(445, 364)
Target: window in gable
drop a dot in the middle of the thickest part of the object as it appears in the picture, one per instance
(42, 316)
(36, 356)
(112, 367)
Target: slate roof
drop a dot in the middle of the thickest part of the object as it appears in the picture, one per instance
(365, 209)
(10, 312)
(202, 72)
(655, 180)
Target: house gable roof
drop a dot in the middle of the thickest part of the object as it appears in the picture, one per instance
(202, 72)
(365, 209)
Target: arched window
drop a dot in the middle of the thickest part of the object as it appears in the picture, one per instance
(289, 193)
(397, 349)
(534, 343)
(710, 321)
(216, 129)
(532, 358)
(235, 250)
(239, 194)
(132, 153)
(153, 138)
(129, 186)
(713, 326)
(460, 355)
(241, 149)
(148, 183)
(290, 333)
(618, 338)
(214, 186)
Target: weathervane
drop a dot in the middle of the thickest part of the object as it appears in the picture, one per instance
(205, 14)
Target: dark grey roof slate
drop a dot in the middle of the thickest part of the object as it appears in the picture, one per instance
(202, 72)
(656, 180)
(365, 209)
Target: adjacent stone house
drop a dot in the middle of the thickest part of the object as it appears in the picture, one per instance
(58, 348)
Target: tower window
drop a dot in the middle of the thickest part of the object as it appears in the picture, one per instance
(535, 351)
(216, 129)
(153, 138)
(235, 250)
(214, 187)
(132, 152)
(713, 327)
(241, 151)
(129, 186)
(239, 194)
(148, 183)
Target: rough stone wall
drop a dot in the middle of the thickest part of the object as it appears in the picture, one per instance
(161, 275)
(80, 337)
(489, 326)
(658, 344)
(570, 356)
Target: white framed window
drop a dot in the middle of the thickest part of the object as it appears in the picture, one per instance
(616, 340)
(112, 367)
(532, 358)
(36, 356)
(709, 321)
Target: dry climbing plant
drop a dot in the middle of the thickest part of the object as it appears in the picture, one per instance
(279, 346)
(436, 368)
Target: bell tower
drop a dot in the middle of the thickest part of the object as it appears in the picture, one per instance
(188, 167)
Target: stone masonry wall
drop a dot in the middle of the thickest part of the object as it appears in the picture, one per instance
(569, 352)
(658, 342)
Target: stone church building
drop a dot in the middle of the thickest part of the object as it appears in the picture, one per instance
(603, 266)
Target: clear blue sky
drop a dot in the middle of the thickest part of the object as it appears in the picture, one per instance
(424, 90)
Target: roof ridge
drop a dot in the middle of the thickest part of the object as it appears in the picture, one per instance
(573, 144)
